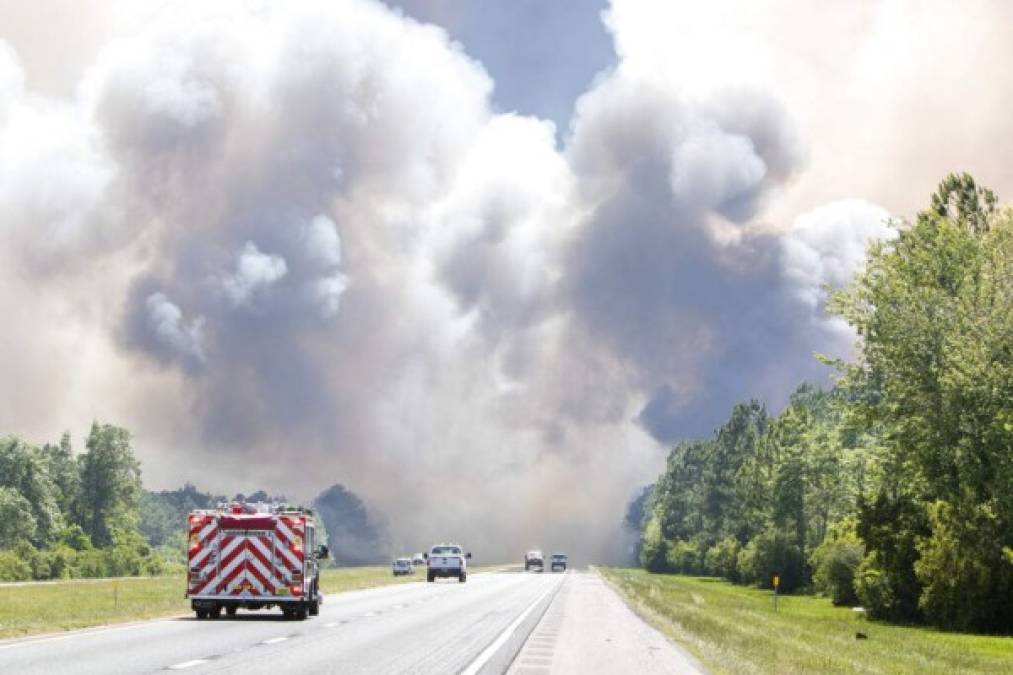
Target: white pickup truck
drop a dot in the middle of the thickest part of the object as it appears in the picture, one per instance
(447, 560)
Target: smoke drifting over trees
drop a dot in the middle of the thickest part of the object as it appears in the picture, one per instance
(299, 242)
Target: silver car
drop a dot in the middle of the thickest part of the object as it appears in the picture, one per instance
(402, 566)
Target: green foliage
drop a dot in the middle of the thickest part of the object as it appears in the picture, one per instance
(63, 471)
(760, 494)
(158, 520)
(891, 527)
(110, 484)
(74, 537)
(897, 486)
(23, 469)
(48, 497)
(835, 563)
(734, 443)
(163, 514)
(653, 546)
(13, 567)
(772, 553)
(967, 582)
(935, 375)
(636, 510)
(684, 557)
(721, 559)
(963, 201)
(17, 524)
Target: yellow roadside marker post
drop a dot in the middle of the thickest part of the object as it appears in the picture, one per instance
(777, 582)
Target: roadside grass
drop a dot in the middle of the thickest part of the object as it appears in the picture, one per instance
(734, 629)
(31, 608)
(48, 607)
(340, 579)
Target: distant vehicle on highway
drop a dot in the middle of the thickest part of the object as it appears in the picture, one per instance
(447, 561)
(419, 559)
(534, 560)
(558, 562)
(252, 556)
(402, 566)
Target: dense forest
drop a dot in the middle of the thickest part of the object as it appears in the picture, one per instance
(67, 515)
(894, 489)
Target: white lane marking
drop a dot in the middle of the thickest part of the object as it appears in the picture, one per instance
(489, 651)
(188, 664)
(274, 641)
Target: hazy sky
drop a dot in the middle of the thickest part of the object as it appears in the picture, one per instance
(480, 261)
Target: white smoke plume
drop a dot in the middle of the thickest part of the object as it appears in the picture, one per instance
(166, 322)
(295, 244)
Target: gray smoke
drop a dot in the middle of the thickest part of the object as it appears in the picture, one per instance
(294, 244)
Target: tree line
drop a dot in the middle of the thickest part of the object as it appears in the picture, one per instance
(75, 515)
(895, 488)
(64, 516)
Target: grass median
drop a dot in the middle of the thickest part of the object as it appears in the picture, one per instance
(46, 607)
(734, 629)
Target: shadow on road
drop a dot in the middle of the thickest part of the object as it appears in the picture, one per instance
(247, 616)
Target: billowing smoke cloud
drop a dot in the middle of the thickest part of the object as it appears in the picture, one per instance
(295, 242)
(165, 321)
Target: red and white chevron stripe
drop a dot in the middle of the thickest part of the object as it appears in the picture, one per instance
(265, 561)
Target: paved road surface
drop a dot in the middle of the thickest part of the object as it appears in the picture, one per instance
(540, 623)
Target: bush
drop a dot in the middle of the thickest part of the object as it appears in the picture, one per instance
(74, 537)
(891, 528)
(17, 524)
(967, 583)
(62, 561)
(771, 553)
(13, 567)
(721, 559)
(653, 547)
(91, 564)
(876, 589)
(835, 562)
(684, 557)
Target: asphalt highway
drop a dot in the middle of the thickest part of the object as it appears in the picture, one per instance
(530, 623)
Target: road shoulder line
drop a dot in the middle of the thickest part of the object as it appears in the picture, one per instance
(486, 655)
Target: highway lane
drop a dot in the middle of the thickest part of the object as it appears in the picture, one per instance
(445, 627)
(440, 627)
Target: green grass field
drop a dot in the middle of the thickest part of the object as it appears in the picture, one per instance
(733, 629)
(48, 607)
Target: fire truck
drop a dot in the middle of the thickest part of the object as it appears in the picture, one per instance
(253, 556)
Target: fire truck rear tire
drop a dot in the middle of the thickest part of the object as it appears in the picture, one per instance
(202, 614)
(314, 608)
(231, 610)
